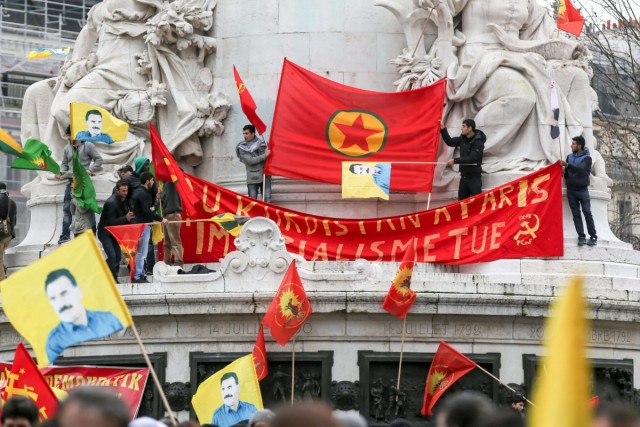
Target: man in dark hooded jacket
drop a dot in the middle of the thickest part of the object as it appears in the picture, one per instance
(471, 144)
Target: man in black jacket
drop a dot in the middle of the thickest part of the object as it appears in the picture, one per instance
(471, 144)
(576, 176)
(114, 212)
(141, 203)
(8, 218)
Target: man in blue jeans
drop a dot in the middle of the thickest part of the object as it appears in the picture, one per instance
(91, 160)
(576, 174)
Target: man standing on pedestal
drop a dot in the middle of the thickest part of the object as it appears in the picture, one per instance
(172, 210)
(91, 160)
(471, 143)
(114, 212)
(253, 153)
(576, 175)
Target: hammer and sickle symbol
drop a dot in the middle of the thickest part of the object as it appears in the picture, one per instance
(527, 230)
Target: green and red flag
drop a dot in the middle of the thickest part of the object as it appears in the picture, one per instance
(289, 308)
(166, 169)
(25, 379)
(319, 123)
(569, 19)
(247, 104)
(36, 156)
(127, 237)
(82, 188)
(260, 355)
(401, 297)
(447, 367)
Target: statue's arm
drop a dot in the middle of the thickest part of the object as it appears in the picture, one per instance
(87, 38)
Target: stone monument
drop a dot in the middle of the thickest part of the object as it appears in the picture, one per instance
(348, 350)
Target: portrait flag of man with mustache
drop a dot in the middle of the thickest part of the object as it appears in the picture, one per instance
(64, 298)
(229, 396)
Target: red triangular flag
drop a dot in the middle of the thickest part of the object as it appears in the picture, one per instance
(569, 19)
(26, 379)
(247, 104)
(447, 367)
(289, 308)
(128, 237)
(167, 170)
(400, 297)
(260, 355)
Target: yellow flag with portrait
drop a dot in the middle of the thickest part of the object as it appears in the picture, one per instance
(230, 395)
(65, 298)
(362, 180)
(95, 124)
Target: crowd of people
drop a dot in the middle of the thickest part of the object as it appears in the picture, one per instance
(101, 407)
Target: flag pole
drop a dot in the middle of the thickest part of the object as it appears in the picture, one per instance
(500, 382)
(293, 366)
(404, 329)
(165, 402)
(424, 28)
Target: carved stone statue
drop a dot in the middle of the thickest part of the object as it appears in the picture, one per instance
(501, 60)
(150, 56)
(377, 407)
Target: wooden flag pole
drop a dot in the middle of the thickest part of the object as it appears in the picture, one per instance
(424, 28)
(165, 402)
(293, 367)
(404, 329)
(506, 385)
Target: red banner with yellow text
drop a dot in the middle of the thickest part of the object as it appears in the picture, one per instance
(522, 218)
(128, 383)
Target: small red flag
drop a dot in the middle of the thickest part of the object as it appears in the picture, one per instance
(167, 170)
(247, 104)
(26, 379)
(400, 297)
(569, 19)
(289, 308)
(128, 237)
(447, 367)
(260, 355)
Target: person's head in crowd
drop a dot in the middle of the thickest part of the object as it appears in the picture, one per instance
(305, 415)
(350, 418)
(261, 418)
(92, 406)
(125, 171)
(465, 409)
(141, 164)
(400, 422)
(518, 402)
(148, 422)
(20, 411)
(147, 180)
(616, 415)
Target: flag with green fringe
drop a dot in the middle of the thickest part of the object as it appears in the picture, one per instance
(36, 156)
(82, 187)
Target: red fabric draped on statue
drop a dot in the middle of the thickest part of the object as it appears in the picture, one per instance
(522, 218)
(318, 124)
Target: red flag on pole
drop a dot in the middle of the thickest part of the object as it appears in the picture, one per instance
(128, 237)
(323, 122)
(167, 170)
(247, 104)
(289, 308)
(447, 367)
(260, 355)
(400, 297)
(25, 379)
(569, 19)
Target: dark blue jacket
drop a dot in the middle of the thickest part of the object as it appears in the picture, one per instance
(578, 170)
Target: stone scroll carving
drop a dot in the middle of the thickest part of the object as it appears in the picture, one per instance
(260, 250)
(501, 62)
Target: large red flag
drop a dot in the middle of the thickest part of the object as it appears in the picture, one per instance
(247, 104)
(289, 308)
(447, 367)
(400, 297)
(25, 379)
(569, 19)
(166, 169)
(128, 237)
(319, 123)
(260, 355)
